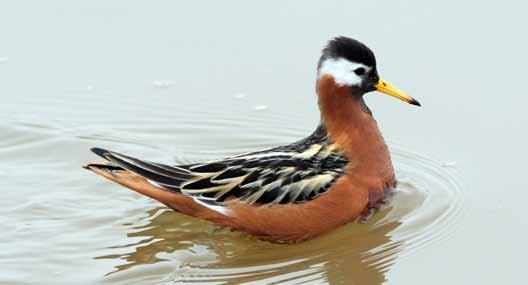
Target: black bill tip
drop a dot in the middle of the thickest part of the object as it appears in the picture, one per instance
(415, 102)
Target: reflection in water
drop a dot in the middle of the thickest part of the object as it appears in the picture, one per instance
(173, 248)
(203, 252)
(161, 246)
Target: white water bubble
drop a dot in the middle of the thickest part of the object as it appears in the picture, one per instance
(449, 164)
(163, 83)
(261, 107)
(240, 96)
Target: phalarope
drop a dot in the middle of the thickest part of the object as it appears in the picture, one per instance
(288, 193)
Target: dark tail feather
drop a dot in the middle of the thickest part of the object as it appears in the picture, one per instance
(108, 167)
(168, 177)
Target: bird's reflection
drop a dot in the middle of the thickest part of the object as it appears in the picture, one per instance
(199, 251)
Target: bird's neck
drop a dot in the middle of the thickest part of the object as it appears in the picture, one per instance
(351, 126)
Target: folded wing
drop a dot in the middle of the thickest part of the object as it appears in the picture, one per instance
(294, 173)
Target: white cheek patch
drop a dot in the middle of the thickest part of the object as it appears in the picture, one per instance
(342, 71)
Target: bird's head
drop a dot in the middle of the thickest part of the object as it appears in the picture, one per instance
(352, 64)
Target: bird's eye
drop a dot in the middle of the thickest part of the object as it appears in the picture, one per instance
(359, 71)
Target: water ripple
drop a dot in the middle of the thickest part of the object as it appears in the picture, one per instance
(423, 210)
(159, 246)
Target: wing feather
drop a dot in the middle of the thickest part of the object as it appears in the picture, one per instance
(296, 173)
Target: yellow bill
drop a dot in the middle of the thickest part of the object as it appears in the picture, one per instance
(385, 87)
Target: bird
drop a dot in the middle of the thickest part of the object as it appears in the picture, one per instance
(294, 192)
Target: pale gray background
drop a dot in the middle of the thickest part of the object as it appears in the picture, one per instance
(68, 62)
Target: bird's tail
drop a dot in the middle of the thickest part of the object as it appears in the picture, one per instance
(163, 176)
(150, 179)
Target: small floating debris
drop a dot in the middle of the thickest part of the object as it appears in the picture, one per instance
(240, 96)
(162, 83)
(449, 164)
(260, 107)
(4, 59)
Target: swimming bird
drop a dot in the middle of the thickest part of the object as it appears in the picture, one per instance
(293, 192)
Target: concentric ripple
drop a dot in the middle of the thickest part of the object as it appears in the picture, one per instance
(177, 249)
(113, 235)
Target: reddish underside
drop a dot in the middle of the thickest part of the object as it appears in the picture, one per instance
(368, 175)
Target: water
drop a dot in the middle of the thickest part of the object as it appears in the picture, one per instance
(180, 83)
(118, 236)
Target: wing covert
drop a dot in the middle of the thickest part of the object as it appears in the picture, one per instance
(275, 178)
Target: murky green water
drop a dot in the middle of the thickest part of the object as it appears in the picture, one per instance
(189, 82)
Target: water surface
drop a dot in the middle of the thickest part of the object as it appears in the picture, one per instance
(118, 236)
(185, 83)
